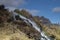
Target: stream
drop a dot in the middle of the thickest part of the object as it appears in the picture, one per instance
(34, 25)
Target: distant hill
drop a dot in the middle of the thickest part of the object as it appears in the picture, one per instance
(43, 20)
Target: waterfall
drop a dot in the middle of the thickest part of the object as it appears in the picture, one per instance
(34, 25)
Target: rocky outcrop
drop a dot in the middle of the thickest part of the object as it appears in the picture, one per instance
(24, 13)
(42, 20)
(4, 13)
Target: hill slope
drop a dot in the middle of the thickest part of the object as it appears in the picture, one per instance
(8, 32)
(19, 29)
(10, 28)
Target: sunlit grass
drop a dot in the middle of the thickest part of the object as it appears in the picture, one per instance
(53, 30)
(6, 33)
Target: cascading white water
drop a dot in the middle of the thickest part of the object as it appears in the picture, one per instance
(34, 25)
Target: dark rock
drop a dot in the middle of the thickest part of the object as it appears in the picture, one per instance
(2, 7)
(52, 37)
(18, 17)
(44, 20)
(24, 13)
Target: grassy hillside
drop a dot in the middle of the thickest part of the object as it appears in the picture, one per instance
(19, 30)
(8, 32)
(52, 30)
(10, 28)
(44, 23)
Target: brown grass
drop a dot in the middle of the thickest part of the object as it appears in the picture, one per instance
(53, 30)
(9, 33)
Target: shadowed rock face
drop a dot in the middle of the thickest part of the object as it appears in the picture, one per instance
(18, 18)
(52, 37)
(4, 13)
(1, 20)
(2, 7)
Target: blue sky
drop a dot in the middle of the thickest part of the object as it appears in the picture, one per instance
(47, 8)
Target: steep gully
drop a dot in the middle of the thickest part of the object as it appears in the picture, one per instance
(34, 25)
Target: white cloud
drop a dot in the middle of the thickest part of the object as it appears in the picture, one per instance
(33, 11)
(14, 3)
(11, 8)
(57, 9)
